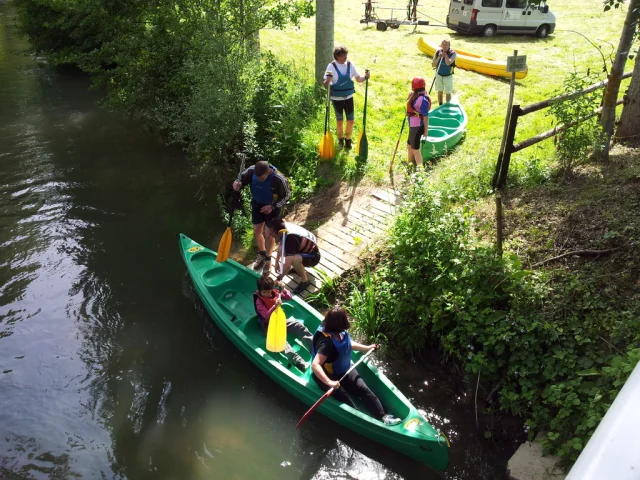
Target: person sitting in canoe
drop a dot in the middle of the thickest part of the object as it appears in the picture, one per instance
(269, 193)
(331, 358)
(265, 301)
(300, 250)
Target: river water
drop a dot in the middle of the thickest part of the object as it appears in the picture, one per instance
(109, 365)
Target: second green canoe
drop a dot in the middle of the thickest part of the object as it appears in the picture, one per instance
(226, 289)
(447, 125)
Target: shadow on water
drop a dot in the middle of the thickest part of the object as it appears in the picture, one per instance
(109, 365)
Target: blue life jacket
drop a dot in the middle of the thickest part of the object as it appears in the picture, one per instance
(261, 191)
(340, 366)
(445, 70)
(344, 86)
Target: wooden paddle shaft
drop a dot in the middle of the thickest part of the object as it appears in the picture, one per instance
(331, 390)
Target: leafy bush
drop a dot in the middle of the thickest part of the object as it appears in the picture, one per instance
(577, 142)
(556, 347)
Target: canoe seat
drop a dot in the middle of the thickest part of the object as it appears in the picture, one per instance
(218, 275)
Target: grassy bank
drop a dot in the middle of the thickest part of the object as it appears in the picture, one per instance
(394, 59)
(549, 340)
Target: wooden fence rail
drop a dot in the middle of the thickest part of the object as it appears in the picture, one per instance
(502, 166)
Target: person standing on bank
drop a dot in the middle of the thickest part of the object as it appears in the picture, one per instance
(300, 251)
(269, 193)
(418, 106)
(340, 74)
(445, 68)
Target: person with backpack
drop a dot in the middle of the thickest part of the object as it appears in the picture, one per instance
(340, 74)
(269, 193)
(418, 106)
(445, 62)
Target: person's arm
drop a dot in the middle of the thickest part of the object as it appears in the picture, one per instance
(245, 178)
(286, 294)
(329, 75)
(316, 366)
(449, 59)
(362, 78)
(265, 312)
(436, 59)
(362, 348)
(282, 189)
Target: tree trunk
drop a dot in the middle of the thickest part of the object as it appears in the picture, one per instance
(608, 117)
(629, 126)
(324, 35)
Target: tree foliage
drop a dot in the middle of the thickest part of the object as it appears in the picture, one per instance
(187, 67)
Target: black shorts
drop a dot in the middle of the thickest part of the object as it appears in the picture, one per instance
(415, 134)
(310, 259)
(258, 217)
(345, 106)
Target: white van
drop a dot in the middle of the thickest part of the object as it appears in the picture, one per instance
(489, 17)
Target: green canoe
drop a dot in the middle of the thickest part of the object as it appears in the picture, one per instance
(447, 125)
(226, 289)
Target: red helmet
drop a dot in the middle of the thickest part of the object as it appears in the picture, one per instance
(417, 82)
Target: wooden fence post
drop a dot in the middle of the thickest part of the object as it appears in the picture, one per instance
(499, 224)
(508, 149)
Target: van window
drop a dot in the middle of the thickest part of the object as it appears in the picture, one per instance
(492, 3)
(468, 2)
(516, 3)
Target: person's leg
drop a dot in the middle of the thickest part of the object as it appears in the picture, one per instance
(354, 385)
(338, 107)
(339, 394)
(348, 105)
(448, 87)
(298, 330)
(299, 267)
(258, 235)
(415, 145)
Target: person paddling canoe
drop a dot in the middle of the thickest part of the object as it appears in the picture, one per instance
(265, 300)
(300, 251)
(269, 193)
(331, 359)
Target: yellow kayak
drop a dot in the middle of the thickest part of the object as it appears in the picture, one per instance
(471, 61)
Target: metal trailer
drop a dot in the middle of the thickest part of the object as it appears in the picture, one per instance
(370, 16)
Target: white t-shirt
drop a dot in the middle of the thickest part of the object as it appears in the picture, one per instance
(342, 67)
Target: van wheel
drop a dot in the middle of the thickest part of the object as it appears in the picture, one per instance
(381, 26)
(489, 31)
(543, 31)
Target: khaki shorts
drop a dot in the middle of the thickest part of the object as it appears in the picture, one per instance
(444, 84)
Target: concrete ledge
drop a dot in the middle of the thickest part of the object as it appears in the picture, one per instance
(528, 463)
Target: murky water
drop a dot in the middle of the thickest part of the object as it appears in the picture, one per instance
(109, 366)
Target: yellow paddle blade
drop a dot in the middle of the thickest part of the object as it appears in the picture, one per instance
(277, 331)
(327, 149)
(225, 246)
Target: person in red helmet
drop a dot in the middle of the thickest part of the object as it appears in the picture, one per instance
(418, 106)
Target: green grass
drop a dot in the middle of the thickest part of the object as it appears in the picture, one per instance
(393, 58)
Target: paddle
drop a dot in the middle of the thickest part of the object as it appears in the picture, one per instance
(327, 149)
(397, 143)
(277, 329)
(363, 143)
(227, 237)
(331, 390)
(434, 76)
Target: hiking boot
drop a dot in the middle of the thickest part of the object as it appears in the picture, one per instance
(347, 144)
(341, 142)
(261, 259)
(267, 267)
(301, 288)
(390, 420)
(299, 363)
